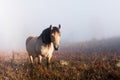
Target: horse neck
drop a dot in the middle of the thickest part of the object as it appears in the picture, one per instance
(40, 41)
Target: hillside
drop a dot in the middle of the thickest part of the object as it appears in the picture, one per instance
(105, 45)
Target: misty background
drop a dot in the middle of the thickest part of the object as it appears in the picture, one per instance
(81, 20)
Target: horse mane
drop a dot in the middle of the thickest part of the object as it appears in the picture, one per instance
(46, 36)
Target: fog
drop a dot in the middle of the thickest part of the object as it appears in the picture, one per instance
(81, 20)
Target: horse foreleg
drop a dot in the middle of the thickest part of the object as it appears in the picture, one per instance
(48, 62)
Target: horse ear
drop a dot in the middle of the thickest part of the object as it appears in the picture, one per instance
(51, 28)
(59, 26)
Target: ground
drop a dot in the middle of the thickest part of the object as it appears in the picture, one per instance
(65, 65)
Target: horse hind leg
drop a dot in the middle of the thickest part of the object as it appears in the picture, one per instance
(31, 59)
(39, 59)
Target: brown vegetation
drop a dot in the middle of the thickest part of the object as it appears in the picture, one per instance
(76, 62)
(81, 66)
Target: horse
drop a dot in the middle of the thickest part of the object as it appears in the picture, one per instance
(43, 45)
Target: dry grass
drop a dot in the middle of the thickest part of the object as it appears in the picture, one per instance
(82, 66)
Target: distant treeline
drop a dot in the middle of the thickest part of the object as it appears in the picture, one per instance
(100, 46)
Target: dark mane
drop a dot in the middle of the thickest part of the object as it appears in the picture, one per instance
(46, 36)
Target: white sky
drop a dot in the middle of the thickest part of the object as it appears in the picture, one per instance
(81, 20)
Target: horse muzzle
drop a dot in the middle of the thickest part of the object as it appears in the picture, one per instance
(56, 48)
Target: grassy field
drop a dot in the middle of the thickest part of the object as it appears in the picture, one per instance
(64, 66)
(69, 63)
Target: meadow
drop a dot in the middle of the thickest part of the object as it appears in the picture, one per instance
(72, 62)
